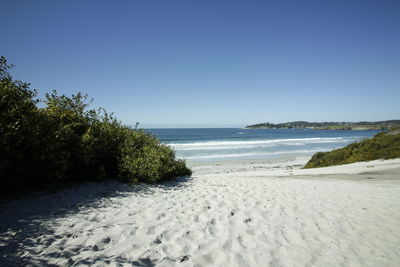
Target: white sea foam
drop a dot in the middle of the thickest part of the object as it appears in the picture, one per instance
(217, 145)
(237, 155)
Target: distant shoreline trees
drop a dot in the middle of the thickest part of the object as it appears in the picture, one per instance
(362, 125)
(65, 141)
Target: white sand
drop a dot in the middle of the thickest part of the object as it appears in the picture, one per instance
(238, 214)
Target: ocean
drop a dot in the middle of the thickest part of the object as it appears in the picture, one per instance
(221, 144)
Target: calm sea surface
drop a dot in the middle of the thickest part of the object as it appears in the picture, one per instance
(216, 144)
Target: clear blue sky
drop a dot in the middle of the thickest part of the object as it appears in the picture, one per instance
(212, 63)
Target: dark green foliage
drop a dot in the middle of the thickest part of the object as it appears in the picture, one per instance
(148, 160)
(381, 146)
(65, 142)
(18, 127)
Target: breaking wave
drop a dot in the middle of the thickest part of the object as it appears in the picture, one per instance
(243, 155)
(220, 145)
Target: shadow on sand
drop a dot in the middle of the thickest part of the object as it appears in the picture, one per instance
(23, 221)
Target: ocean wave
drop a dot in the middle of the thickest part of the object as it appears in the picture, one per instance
(217, 145)
(224, 147)
(238, 155)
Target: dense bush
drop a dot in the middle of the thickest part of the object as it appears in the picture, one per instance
(64, 141)
(381, 146)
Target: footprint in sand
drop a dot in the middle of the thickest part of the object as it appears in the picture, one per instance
(102, 244)
(248, 220)
(71, 235)
(184, 258)
(151, 254)
(160, 216)
(158, 239)
(143, 262)
(106, 240)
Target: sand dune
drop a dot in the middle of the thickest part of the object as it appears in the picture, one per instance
(244, 216)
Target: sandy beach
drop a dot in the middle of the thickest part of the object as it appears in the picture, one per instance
(239, 214)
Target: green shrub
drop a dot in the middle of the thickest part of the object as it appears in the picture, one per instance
(66, 142)
(19, 130)
(144, 158)
(381, 146)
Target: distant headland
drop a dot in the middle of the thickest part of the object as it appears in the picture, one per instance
(362, 125)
